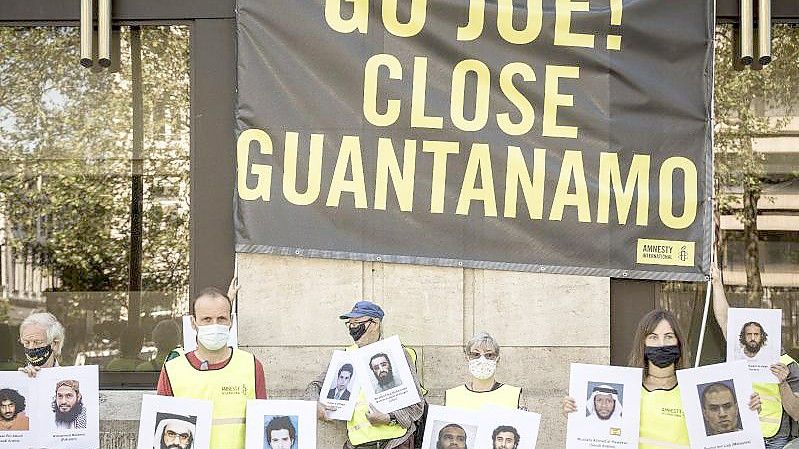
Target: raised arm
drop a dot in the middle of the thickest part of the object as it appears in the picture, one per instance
(720, 305)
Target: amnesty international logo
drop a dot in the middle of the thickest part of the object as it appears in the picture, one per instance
(235, 389)
(665, 252)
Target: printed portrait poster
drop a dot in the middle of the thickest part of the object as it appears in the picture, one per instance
(281, 424)
(450, 427)
(715, 401)
(755, 336)
(340, 388)
(17, 426)
(501, 428)
(167, 421)
(385, 375)
(66, 404)
(190, 335)
(608, 407)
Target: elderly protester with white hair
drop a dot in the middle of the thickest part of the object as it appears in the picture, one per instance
(482, 356)
(42, 336)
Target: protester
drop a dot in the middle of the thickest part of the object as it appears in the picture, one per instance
(42, 336)
(780, 402)
(370, 428)
(226, 376)
(660, 349)
(482, 357)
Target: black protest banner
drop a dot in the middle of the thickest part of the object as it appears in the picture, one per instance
(555, 136)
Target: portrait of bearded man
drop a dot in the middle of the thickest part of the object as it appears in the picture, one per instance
(68, 405)
(384, 373)
(176, 432)
(752, 339)
(12, 411)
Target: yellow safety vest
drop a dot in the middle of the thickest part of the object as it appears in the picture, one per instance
(662, 420)
(228, 388)
(361, 431)
(771, 403)
(461, 397)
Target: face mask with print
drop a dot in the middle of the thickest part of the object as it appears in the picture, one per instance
(482, 368)
(213, 336)
(38, 356)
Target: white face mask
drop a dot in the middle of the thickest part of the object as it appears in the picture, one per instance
(482, 368)
(213, 336)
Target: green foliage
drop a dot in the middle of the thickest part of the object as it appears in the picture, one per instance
(66, 160)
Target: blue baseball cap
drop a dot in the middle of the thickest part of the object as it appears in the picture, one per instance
(364, 308)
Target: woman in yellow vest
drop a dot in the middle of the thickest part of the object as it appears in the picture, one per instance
(482, 356)
(780, 403)
(659, 348)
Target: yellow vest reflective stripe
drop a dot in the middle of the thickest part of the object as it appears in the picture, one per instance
(771, 403)
(461, 397)
(662, 420)
(228, 388)
(360, 430)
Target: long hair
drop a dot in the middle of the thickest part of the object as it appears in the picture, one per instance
(742, 335)
(645, 327)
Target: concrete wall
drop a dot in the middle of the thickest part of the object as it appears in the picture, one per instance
(289, 308)
(288, 317)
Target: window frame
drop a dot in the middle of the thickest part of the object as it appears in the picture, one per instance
(213, 64)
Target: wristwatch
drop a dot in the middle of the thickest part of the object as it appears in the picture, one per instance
(392, 418)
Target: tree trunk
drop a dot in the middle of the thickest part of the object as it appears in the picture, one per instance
(751, 240)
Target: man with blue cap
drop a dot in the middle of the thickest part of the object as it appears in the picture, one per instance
(369, 427)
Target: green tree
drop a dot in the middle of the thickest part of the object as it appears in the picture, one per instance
(741, 96)
(66, 161)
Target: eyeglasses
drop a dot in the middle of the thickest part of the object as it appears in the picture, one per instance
(474, 355)
(171, 434)
(358, 323)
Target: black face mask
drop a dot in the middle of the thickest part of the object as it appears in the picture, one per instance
(38, 356)
(662, 356)
(357, 332)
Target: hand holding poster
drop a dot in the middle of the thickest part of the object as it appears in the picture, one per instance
(341, 386)
(281, 424)
(175, 423)
(715, 401)
(385, 375)
(60, 407)
(608, 407)
(755, 336)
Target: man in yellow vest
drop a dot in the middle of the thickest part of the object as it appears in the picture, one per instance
(369, 428)
(215, 371)
(780, 401)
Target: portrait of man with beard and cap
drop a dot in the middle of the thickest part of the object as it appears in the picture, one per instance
(174, 431)
(383, 372)
(68, 405)
(12, 411)
(752, 339)
(603, 405)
